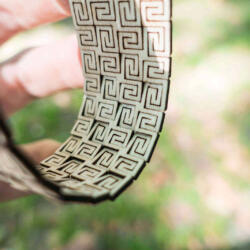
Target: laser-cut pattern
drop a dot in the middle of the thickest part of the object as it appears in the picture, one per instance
(126, 48)
(126, 55)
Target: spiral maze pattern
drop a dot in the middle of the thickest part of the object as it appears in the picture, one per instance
(126, 55)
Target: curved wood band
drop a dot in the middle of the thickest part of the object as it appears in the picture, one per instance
(126, 55)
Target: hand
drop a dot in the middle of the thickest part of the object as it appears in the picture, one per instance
(33, 150)
(36, 72)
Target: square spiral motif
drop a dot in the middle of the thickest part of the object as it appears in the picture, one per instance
(126, 54)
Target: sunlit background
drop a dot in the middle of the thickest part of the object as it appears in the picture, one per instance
(195, 194)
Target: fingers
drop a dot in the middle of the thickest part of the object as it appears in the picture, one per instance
(38, 151)
(40, 72)
(16, 15)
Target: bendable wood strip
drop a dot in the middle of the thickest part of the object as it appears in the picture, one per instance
(126, 55)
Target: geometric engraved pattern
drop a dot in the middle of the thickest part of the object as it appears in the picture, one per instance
(126, 55)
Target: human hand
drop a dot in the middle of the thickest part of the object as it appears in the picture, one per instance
(35, 72)
(37, 151)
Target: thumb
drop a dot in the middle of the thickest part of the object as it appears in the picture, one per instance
(39, 150)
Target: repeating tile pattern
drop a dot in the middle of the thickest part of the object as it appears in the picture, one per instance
(126, 54)
(126, 49)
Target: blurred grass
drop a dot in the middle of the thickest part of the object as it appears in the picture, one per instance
(44, 118)
(168, 207)
(239, 116)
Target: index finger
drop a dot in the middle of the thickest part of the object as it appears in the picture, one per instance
(16, 15)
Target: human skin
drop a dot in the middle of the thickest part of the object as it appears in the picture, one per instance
(36, 72)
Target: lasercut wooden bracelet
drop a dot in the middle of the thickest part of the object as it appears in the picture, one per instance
(126, 56)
